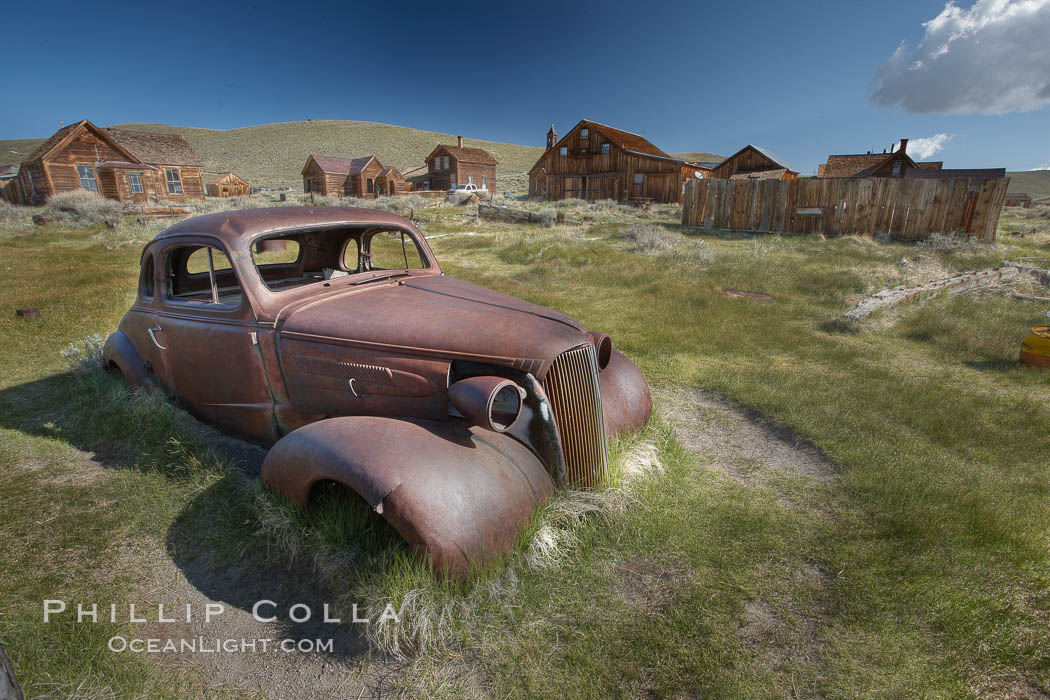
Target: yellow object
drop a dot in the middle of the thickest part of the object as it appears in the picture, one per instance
(1035, 350)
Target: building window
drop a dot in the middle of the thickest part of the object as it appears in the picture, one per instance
(446, 162)
(639, 178)
(135, 183)
(371, 186)
(896, 168)
(470, 179)
(86, 173)
(426, 185)
(584, 134)
(564, 151)
(29, 180)
(171, 176)
(605, 148)
(307, 186)
(437, 164)
(453, 179)
(484, 182)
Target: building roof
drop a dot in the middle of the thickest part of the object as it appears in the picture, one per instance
(415, 172)
(778, 164)
(1017, 195)
(930, 164)
(150, 147)
(341, 166)
(761, 174)
(850, 165)
(53, 141)
(216, 178)
(955, 173)
(478, 156)
(624, 139)
(8, 170)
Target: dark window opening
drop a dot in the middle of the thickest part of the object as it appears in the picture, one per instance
(86, 174)
(171, 176)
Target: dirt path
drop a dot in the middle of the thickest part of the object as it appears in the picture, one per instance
(787, 628)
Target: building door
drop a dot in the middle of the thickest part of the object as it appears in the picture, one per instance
(583, 188)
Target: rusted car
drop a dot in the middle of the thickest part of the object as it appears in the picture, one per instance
(332, 335)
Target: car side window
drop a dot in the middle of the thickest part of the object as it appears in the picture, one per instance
(146, 278)
(394, 250)
(201, 275)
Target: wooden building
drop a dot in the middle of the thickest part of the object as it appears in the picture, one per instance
(892, 164)
(129, 166)
(9, 189)
(448, 166)
(362, 177)
(753, 163)
(595, 161)
(226, 185)
(1017, 199)
(390, 182)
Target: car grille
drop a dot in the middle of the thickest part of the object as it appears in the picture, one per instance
(576, 399)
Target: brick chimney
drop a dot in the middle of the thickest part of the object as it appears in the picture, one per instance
(459, 141)
(903, 148)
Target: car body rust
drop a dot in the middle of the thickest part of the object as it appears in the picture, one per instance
(345, 362)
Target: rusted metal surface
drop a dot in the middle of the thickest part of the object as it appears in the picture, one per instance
(576, 399)
(460, 495)
(626, 401)
(493, 403)
(269, 353)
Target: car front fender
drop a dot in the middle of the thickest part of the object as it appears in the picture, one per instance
(459, 495)
(626, 402)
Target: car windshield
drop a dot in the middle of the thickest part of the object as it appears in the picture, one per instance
(295, 259)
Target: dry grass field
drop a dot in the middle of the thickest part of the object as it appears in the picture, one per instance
(818, 509)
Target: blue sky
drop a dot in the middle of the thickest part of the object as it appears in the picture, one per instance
(794, 77)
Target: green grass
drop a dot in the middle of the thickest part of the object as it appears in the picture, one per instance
(1035, 182)
(920, 569)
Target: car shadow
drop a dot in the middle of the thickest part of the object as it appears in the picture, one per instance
(223, 557)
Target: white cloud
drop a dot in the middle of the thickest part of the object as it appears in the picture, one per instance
(990, 59)
(921, 149)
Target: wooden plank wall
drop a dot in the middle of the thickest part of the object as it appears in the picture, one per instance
(906, 210)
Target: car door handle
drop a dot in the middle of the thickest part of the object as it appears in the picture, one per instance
(154, 338)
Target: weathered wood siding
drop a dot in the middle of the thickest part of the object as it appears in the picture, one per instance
(357, 183)
(60, 168)
(908, 210)
(228, 186)
(192, 182)
(748, 159)
(327, 184)
(587, 173)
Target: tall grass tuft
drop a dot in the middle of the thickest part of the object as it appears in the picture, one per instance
(82, 208)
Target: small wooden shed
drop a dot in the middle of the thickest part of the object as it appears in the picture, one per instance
(226, 185)
(342, 177)
(753, 163)
(1017, 199)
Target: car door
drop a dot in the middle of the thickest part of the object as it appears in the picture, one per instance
(208, 331)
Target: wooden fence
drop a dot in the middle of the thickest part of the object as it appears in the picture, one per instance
(907, 210)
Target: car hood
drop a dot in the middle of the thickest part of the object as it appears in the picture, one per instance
(439, 316)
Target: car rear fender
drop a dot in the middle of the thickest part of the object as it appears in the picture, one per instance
(459, 495)
(119, 352)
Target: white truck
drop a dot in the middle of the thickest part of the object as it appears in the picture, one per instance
(464, 191)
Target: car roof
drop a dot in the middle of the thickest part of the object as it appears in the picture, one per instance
(237, 228)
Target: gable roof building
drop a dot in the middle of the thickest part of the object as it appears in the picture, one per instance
(597, 161)
(449, 166)
(129, 166)
(753, 163)
(892, 164)
(364, 177)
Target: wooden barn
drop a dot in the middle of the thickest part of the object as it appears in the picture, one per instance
(893, 164)
(594, 161)
(448, 166)
(226, 185)
(752, 163)
(362, 177)
(129, 166)
(1017, 199)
